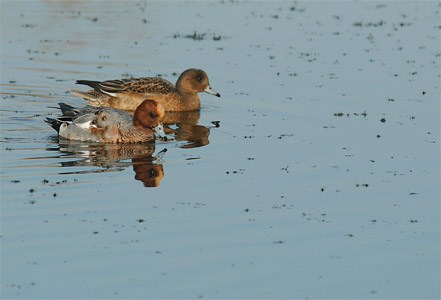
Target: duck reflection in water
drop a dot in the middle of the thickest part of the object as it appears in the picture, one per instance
(113, 157)
(147, 171)
(183, 125)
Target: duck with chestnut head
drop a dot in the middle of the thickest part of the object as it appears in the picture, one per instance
(110, 125)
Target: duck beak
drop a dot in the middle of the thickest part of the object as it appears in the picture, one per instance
(209, 90)
(159, 129)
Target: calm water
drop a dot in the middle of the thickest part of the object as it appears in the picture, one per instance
(322, 179)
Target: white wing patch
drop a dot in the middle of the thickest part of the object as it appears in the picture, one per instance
(108, 93)
(85, 125)
(85, 121)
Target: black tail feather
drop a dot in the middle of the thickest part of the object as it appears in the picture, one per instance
(93, 84)
(54, 123)
(67, 110)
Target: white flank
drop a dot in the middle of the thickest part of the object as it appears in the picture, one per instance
(62, 131)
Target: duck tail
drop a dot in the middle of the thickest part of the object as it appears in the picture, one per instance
(93, 97)
(67, 109)
(85, 95)
(54, 123)
(93, 84)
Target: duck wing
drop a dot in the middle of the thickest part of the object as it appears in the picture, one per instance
(144, 85)
(82, 118)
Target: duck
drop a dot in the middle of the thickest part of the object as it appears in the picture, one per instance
(110, 125)
(127, 94)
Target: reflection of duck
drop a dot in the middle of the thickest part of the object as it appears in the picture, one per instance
(128, 93)
(147, 171)
(113, 157)
(109, 125)
(187, 128)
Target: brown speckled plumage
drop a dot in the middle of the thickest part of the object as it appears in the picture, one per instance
(127, 94)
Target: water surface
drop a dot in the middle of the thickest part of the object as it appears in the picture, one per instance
(321, 179)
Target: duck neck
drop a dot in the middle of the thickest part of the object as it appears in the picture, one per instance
(136, 134)
(190, 101)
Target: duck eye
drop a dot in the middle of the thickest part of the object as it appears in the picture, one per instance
(104, 118)
(152, 115)
(199, 79)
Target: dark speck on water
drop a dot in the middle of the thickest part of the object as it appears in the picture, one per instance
(279, 242)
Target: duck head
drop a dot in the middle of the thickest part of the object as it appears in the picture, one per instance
(148, 116)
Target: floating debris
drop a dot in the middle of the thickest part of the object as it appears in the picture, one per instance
(341, 114)
(279, 242)
(369, 24)
(363, 185)
(198, 36)
(240, 171)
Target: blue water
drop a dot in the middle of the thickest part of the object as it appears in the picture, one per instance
(322, 180)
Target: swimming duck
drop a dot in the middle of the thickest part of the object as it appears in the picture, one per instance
(127, 94)
(110, 125)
